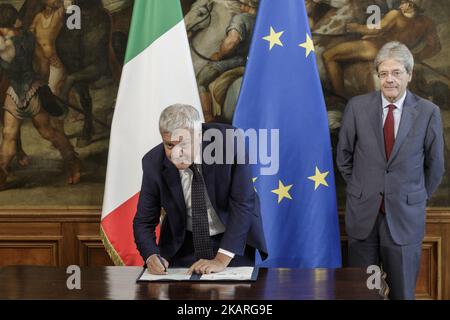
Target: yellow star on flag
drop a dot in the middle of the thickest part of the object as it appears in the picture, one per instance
(319, 178)
(282, 191)
(254, 180)
(308, 45)
(274, 38)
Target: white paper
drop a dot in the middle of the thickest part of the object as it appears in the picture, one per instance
(236, 273)
(172, 274)
(180, 274)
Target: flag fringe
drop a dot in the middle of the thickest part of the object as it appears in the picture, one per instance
(110, 249)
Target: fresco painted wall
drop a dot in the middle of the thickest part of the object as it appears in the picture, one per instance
(37, 174)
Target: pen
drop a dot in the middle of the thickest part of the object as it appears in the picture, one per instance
(162, 262)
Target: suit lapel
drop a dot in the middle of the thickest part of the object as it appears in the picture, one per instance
(172, 178)
(375, 114)
(409, 115)
(209, 176)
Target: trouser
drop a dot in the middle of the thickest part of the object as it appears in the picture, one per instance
(185, 256)
(400, 262)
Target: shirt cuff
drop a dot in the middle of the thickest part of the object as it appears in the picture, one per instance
(227, 253)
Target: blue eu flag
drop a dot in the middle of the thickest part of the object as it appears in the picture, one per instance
(281, 90)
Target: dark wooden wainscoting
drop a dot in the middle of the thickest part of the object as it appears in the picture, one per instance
(67, 237)
(51, 238)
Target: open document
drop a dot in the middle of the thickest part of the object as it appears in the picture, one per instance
(174, 274)
(180, 274)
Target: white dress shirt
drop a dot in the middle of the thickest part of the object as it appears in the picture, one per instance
(397, 111)
(215, 225)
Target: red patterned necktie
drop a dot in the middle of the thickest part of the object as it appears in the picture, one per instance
(389, 139)
(389, 135)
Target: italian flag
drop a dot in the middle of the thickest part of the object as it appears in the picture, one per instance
(158, 72)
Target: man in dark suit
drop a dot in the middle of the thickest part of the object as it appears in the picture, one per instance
(212, 216)
(390, 153)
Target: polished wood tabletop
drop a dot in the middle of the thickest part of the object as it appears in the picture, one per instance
(100, 283)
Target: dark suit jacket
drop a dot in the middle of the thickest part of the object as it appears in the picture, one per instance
(229, 188)
(407, 180)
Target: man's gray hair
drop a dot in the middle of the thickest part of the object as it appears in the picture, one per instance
(397, 51)
(178, 116)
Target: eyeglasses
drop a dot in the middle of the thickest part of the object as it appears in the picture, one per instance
(396, 74)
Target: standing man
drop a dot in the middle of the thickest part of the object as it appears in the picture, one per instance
(390, 153)
(212, 211)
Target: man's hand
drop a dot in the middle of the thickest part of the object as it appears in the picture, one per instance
(157, 266)
(202, 266)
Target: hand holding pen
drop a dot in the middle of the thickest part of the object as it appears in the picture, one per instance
(157, 264)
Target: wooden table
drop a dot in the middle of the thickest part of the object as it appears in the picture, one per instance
(100, 283)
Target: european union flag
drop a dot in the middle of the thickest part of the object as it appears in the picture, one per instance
(281, 90)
